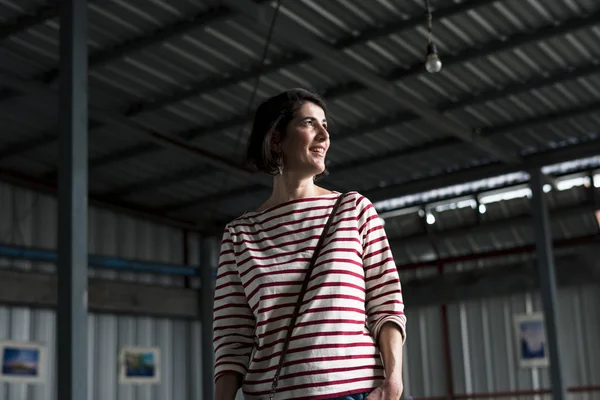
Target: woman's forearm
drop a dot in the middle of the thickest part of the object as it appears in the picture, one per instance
(390, 346)
(226, 387)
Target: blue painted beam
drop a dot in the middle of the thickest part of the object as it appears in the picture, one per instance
(104, 262)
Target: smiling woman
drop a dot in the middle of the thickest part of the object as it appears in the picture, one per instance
(284, 124)
(298, 313)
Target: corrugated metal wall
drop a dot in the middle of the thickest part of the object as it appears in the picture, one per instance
(28, 218)
(481, 332)
(483, 348)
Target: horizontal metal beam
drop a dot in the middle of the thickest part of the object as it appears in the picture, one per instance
(104, 296)
(499, 45)
(207, 200)
(159, 181)
(543, 120)
(121, 207)
(104, 56)
(504, 280)
(118, 297)
(98, 261)
(564, 154)
(166, 141)
(489, 227)
(579, 243)
(26, 21)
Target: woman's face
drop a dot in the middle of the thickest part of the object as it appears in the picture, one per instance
(306, 141)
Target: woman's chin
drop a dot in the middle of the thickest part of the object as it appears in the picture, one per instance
(318, 168)
(311, 169)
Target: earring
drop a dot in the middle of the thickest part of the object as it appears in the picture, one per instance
(280, 165)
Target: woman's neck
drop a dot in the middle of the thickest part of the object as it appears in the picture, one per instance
(286, 187)
(289, 187)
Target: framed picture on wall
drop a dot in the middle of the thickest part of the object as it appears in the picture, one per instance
(139, 365)
(22, 362)
(532, 347)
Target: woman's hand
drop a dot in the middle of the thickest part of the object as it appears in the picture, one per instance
(390, 344)
(390, 390)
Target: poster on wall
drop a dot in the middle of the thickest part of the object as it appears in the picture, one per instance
(531, 340)
(139, 365)
(22, 362)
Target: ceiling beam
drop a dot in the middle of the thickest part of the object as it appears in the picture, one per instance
(160, 139)
(26, 21)
(533, 161)
(121, 207)
(486, 228)
(500, 45)
(157, 182)
(103, 56)
(543, 120)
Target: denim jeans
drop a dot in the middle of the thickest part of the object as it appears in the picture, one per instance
(358, 396)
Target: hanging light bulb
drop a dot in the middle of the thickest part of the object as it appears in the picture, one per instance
(433, 64)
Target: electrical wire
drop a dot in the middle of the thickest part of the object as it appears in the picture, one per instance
(429, 21)
(254, 92)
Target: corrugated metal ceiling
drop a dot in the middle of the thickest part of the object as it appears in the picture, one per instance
(188, 68)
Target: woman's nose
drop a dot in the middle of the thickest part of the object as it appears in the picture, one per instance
(323, 133)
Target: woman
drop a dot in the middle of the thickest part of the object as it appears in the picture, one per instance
(351, 323)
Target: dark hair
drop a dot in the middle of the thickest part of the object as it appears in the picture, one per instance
(274, 115)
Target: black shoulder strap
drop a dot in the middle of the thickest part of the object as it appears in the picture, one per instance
(303, 291)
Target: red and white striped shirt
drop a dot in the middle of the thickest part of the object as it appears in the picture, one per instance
(354, 290)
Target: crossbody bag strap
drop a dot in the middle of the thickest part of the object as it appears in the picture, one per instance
(303, 291)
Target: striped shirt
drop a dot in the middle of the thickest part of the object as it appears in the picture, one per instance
(354, 289)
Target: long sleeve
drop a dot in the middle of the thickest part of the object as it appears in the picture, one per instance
(384, 302)
(234, 323)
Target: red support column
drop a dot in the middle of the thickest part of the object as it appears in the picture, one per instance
(446, 345)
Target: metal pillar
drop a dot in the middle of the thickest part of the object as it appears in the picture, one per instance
(447, 353)
(545, 260)
(72, 314)
(208, 262)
